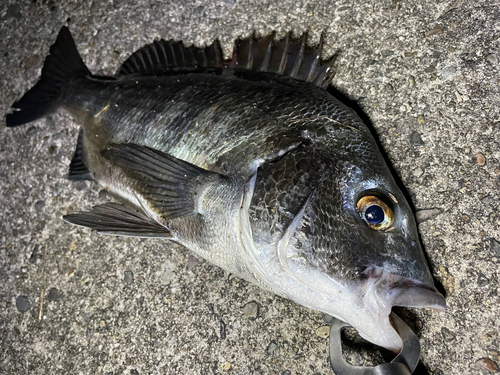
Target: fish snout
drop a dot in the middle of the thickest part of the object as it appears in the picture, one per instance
(383, 291)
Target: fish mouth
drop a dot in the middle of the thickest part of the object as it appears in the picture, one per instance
(383, 291)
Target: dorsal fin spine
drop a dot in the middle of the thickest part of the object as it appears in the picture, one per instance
(146, 57)
(155, 51)
(174, 55)
(171, 49)
(312, 71)
(213, 52)
(267, 57)
(218, 55)
(153, 54)
(178, 61)
(183, 57)
(143, 58)
(181, 50)
(139, 61)
(160, 50)
(234, 56)
(284, 56)
(250, 53)
(169, 55)
(140, 57)
(300, 58)
(205, 58)
(330, 77)
(192, 58)
(133, 62)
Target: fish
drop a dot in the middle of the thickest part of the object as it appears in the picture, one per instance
(250, 163)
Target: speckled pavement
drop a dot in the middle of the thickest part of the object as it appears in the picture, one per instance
(425, 75)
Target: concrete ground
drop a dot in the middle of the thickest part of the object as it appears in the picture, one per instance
(425, 74)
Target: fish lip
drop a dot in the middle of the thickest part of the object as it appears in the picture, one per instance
(403, 291)
(419, 296)
(383, 291)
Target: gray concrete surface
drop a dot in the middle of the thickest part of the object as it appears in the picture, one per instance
(426, 74)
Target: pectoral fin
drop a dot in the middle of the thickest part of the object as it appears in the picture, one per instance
(118, 220)
(172, 187)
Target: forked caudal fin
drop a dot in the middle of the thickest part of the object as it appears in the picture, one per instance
(62, 66)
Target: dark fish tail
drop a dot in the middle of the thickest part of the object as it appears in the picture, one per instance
(61, 67)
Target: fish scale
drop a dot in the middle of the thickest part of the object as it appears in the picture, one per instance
(187, 111)
(251, 164)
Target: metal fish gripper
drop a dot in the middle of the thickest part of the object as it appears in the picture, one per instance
(403, 364)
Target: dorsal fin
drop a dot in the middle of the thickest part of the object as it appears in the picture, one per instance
(287, 57)
(166, 57)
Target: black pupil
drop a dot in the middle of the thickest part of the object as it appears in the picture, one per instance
(374, 214)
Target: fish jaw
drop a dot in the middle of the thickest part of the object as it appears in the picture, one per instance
(382, 291)
(366, 302)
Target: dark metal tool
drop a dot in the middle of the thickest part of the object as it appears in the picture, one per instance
(404, 363)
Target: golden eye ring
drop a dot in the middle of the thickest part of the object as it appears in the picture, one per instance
(375, 212)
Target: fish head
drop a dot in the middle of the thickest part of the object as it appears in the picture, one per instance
(388, 262)
(358, 248)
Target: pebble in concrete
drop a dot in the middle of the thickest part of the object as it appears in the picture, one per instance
(54, 295)
(416, 139)
(448, 72)
(23, 304)
(192, 262)
(225, 366)
(222, 330)
(271, 348)
(251, 310)
(448, 334)
(128, 277)
(488, 364)
(480, 159)
(36, 255)
(488, 339)
(167, 275)
(495, 246)
(323, 332)
(39, 206)
(424, 215)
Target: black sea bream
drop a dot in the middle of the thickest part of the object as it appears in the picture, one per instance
(251, 164)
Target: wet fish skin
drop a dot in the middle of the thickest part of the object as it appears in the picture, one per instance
(257, 172)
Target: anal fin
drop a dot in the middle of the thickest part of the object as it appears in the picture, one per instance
(78, 170)
(118, 220)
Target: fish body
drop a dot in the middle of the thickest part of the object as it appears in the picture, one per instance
(251, 164)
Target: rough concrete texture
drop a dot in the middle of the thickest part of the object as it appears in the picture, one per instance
(425, 74)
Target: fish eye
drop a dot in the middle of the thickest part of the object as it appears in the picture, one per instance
(375, 212)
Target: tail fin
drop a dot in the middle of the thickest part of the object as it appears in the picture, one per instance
(61, 67)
